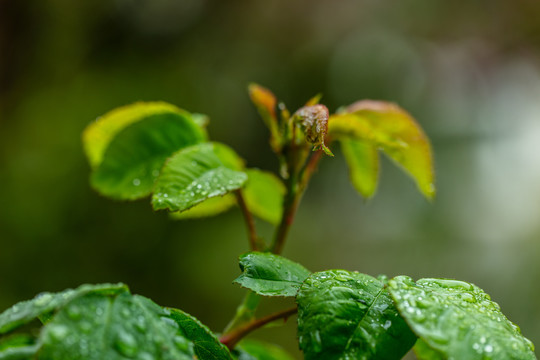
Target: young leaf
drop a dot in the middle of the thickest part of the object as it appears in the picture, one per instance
(195, 174)
(264, 195)
(363, 161)
(98, 135)
(313, 121)
(134, 157)
(270, 275)
(26, 311)
(207, 345)
(458, 320)
(265, 102)
(210, 207)
(393, 130)
(97, 327)
(257, 350)
(345, 315)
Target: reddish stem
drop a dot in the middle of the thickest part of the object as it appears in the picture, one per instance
(250, 222)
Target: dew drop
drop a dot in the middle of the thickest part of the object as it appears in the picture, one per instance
(126, 344)
(74, 312)
(58, 332)
(136, 182)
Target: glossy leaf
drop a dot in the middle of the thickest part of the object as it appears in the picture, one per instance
(263, 194)
(26, 311)
(458, 320)
(363, 162)
(134, 157)
(392, 129)
(98, 135)
(270, 275)
(97, 327)
(210, 207)
(207, 345)
(195, 174)
(347, 315)
(257, 350)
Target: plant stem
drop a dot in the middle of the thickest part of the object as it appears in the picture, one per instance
(295, 190)
(245, 312)
(230, 340)
(250, 222)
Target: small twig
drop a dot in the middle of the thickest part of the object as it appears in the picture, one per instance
(230, 340)
(250, 222)
(292, 199)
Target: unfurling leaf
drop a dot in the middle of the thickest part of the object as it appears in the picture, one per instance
(195, 174)
(265, 102)
(457, 320)
(346, 315)
(271, 275)
(391, 129)
(313, 121)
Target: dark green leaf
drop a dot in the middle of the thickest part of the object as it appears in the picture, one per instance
(392, 129)
(133, 159)
(258, 350)
(271, 275)
(344, 315)
(207, 345)
(26, 311)
(18, 347)
(195, 174)
(264, 195)
(363, 162)
(458, 320)
(98, 327)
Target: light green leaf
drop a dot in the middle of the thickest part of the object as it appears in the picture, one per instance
(263, 194)
(207, 345)
(270, 275)
(363, 162)
(424, 352)
(346, 315)
(210, 207)
(392, 129)
(195, 174)
(97, 327)
(26, 311)
(134, 157)
(98, 135)
(257, 350)
(458, 320)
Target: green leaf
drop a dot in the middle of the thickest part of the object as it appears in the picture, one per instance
(392, 129)
(424, 352)
(26, 311)
(207, 345)
(18, 347)
(98, 135)
(458, 320)
(195, 174)
(264, 195)
(133, 159)
(210, 207)
(270, 275)
(346, 315)
(363, 161)
(257, 350)
(97, 327)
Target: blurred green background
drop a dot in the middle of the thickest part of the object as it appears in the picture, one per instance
(469, 71)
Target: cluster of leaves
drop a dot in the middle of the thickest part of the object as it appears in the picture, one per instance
(350, 315)
(160, 151)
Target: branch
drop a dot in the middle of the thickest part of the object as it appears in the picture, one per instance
(230, 340)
